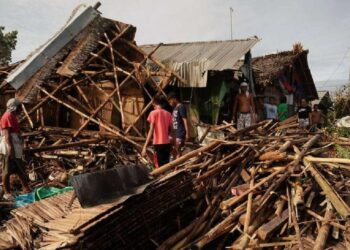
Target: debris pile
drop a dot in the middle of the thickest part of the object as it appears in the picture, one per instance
(132, 222)
(267, 186)
(261, 187)
(85, 108)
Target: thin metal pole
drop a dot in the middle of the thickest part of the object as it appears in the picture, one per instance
(231, 10)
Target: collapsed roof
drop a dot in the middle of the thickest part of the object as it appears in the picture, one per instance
(94, 70)
(68, 51)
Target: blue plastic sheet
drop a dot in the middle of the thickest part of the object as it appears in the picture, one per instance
(24, 199)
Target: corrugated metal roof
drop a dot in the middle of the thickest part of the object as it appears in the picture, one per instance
(193, 60)
(38, 59)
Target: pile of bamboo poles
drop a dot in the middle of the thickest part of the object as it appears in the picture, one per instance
(267, 186)
(53, 163)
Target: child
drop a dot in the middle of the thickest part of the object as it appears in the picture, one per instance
(282, 109)
(316, 117)
(160, 126)
(304, 114)
(271, 109)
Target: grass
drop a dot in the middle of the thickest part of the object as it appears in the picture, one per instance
(342, 152)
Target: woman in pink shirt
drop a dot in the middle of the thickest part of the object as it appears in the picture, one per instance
(160, 126)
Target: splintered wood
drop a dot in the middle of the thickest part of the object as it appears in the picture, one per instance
(86, 109)
(131, 222)
(283, 190)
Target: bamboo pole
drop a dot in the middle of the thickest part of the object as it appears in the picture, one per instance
(43, 101)
(133, 46)
(321, 240)
(232, 201)
(221, 228)
(167, 81)
(337, 202)
(116, 80)
(326, 160)
(117, 133)
(111, 95)
(320, 218)
(249, 203)
(116, 38)
(27, 116)
(183, 158)
(62, 146)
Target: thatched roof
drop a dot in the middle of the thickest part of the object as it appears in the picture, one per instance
(269, 67)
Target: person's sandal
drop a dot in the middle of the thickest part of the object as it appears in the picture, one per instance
(8, 197)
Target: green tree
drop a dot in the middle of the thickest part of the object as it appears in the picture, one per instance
(8, 43)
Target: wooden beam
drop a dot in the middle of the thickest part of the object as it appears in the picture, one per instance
(62, 146)
(337, 202)
(266, 230)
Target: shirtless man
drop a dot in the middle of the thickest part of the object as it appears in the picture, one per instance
(316, 117)
(244, 103)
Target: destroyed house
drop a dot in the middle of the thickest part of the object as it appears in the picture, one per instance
(6, 90)
(284, 74)
(210, 73)
(90, 75)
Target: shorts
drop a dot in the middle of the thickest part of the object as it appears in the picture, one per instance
(244, 120)
(303, 123)
(162, 152)
(11, 166)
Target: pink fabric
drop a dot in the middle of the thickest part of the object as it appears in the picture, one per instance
(162, 121)
(9, 121)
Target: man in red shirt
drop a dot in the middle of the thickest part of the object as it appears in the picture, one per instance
(12, 161)
(160, 126)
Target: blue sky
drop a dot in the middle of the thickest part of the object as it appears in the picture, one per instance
(322, 26)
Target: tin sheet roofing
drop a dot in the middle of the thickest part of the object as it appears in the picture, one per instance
(193, 60)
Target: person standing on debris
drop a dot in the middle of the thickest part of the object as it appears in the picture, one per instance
(180, 124)
(304, 114)
(160, 127)
(282, 109)
(244, 103)
(271, 109)
(12, 148)
(316, 117)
